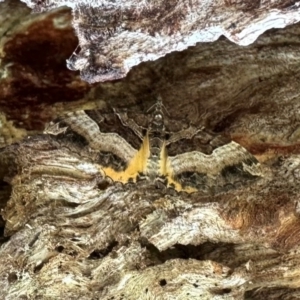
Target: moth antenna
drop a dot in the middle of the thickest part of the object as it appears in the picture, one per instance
(158, 106)
(165, 109)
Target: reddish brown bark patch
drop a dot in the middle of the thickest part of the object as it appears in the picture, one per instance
(35, 58)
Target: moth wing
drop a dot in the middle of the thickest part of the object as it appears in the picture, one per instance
(225, 166)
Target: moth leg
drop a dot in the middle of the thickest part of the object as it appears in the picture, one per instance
(128, 122)
(187, 133)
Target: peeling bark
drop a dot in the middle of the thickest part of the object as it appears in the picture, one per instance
(115, 36)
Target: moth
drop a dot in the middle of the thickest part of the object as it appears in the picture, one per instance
(137, 147)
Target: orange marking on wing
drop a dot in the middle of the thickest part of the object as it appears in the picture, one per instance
(136, 165)
(172, 182)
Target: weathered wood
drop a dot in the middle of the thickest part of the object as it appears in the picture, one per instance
(69, 232)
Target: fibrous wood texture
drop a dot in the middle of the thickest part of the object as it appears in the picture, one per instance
(71, 232)
(114, 36)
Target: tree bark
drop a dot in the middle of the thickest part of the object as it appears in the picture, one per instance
(70, 231)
